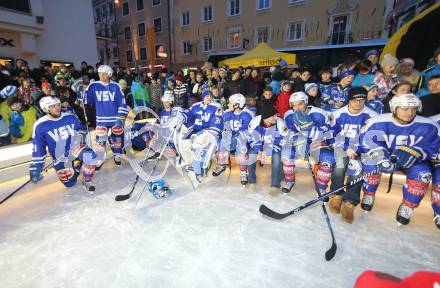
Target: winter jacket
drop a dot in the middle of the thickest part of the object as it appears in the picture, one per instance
(15, 123)
(282, 103)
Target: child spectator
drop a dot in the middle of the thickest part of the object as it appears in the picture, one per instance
(267, 98)
(282, 102)
(312, 90)
(385, 79)
(373, 102)
(16, 120)
(363, 76)
(326, 78)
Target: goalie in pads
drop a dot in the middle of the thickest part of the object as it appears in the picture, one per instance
(204, 121)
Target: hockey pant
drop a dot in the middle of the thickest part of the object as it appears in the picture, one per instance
(417, 182)
(435, 193)
(326, 162)
(84, 160)
(236, 146)
(116, 140)
(288, 155)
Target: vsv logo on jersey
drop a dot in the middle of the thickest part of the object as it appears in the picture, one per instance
(62, 133)
(350, 130)
(105, 95)
(235, 125)
(407, 140)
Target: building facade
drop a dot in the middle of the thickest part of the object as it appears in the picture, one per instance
(142, 29)
(202, 27)
(47, 31)
(105, 28)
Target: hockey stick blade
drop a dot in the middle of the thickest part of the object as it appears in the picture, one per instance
(330, 253)
(273, 214)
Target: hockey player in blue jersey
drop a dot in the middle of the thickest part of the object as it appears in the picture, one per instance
(335, 96)
(204, 120)
(165, 114)
(308, 125)
(58, 133)
(435, 193)
(400, 140)
(111, 111)
(266, 135)
(234, 138)
(345, 126)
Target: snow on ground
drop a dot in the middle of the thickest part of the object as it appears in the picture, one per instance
(212, 237)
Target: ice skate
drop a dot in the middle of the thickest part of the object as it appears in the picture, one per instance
(403, 215)
(243, 177)
(88, 187)
(367, 202)
(219, 170)
(117, 159)
(287, 187)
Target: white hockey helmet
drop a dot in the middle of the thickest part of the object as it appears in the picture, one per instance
(48, 101)
(238, 99)
(298, 96)
(167, 96)
(405, 100)
(105, 69)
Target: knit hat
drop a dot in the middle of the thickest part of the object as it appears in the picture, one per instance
(372, 52)
(205, 93)
(179, 78)
(357, 93)
(346, 73)
(309, 86)
(407, 61)
(388, 60)
(371, 86)
(267, 110)
(122, 81)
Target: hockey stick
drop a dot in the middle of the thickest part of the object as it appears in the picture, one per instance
(48, 166)
(126, 196)
(279, 216)
(330, 253)
(155, 165)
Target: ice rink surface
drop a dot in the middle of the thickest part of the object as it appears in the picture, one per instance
(213, 237)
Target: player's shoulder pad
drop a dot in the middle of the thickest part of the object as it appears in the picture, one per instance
(370, 112)
(255, 122)
(383, 118)
(248, 111)
(314, 109)
(288, 113)
(219, 108)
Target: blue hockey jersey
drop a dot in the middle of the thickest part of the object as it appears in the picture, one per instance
(57, 135)
(346, 127)
(320, 121)
(237, 123)
(336, 93)
(265, 139)
(384, 133)
(200, 117)
(109, 101)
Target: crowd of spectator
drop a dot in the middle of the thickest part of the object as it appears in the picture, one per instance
(22, 88)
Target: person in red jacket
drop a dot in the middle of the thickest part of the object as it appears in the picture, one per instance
(282, 102)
